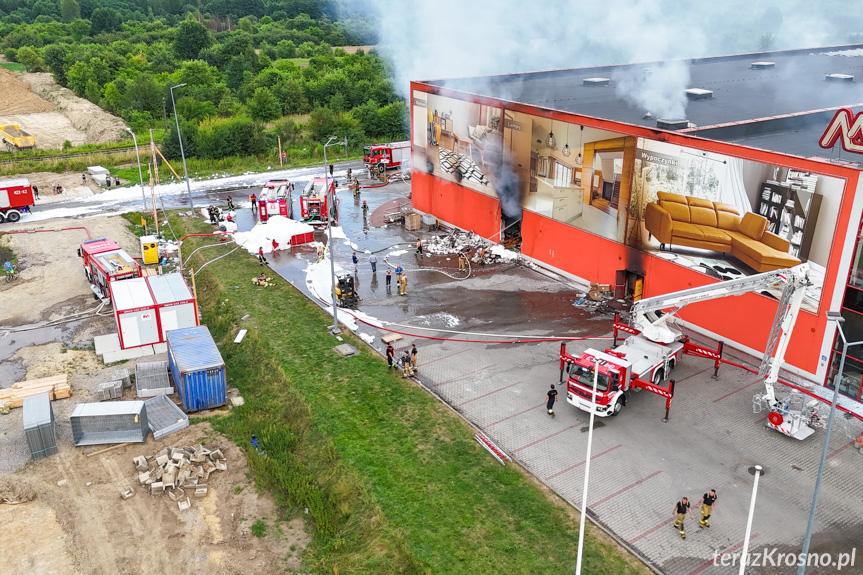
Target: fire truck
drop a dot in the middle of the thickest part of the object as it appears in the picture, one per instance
(383, 157)
(314, 202)
(275, 200)
(16, 196)
(654, 348)
(104, 262)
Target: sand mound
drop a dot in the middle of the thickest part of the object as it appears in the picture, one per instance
(16, 97)
(15, 491)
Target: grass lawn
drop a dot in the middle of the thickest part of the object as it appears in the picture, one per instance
(14, 66)
(393, 481)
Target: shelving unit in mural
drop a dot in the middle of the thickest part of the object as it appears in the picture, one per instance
(791, 209)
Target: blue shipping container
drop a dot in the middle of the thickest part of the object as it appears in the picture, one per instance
(197, 368)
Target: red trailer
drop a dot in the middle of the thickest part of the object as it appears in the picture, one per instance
(16, 196)
(104, 262)
(275, 200)
(314, 202)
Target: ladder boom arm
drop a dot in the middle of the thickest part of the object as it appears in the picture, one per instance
(653, 327)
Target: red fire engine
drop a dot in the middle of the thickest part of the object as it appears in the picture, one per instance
(275, 200)
(382, 157)
(647, 357)
(314, 202)
(105, 262)
(16, 196)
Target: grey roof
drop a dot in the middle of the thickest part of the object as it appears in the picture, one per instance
(193, 349)
(169, 288)
(797, 85)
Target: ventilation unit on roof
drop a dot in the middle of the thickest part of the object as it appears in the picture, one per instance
(597, 81)
(699, 94)
(762, 65)
(839, 78)
(672, 124)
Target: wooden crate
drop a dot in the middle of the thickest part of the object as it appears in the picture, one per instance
(413, 222)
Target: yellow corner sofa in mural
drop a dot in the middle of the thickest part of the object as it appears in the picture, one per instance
(698, 223)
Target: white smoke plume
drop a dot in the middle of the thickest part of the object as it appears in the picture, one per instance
(435, 39)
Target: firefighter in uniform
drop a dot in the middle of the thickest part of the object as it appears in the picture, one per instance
(681, 509)
(356, 187)
(706, 503)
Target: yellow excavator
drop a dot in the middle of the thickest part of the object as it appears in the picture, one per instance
(15, 138)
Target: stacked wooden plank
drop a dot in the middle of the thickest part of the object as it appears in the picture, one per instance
(57, 387)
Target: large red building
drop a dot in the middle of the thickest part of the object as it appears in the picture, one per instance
(658, 177)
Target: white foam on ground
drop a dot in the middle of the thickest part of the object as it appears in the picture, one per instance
(338, 233)
(503, 253)
(369, 339)
(278, 228)
(397, 253)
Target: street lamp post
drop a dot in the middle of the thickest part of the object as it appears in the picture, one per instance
(757, 471)
(182, 153)
(331, 204)
(804, 554)
(586, 474)
(140, 174)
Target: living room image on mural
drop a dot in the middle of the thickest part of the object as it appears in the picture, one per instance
(570, 173)
(728, 217)
(462, 141)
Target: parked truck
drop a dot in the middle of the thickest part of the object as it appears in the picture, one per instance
(275, 200)
(15, 138)
(383, 157)
(315, 202)
(105, 262)
(16, 196)
(654, 347)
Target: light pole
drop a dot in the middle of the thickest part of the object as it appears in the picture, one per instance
(804, 554)
(331, 207)
(182, 154)
(140, 174)
(757, 471)
(586, 473)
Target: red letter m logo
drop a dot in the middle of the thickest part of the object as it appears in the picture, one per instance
(844, 124)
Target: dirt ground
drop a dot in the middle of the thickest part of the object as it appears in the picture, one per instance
(51, 283)
(53, 114)
(64, 514)
(78, 523)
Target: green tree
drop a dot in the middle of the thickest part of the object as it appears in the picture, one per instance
(171, 144)
(31, 60)
(55, 57)
(112, 98)
(105, 20)
(77, 76)
(69, 10)
(224, 137)
(79, 29)
(191, 38)
(263, 106)
(93, 92)
(144, 94)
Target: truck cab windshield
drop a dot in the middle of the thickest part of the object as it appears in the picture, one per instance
(584, 376)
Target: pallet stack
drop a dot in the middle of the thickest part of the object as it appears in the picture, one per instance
(57, 387)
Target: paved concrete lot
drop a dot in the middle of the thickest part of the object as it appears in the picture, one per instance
(640, 466)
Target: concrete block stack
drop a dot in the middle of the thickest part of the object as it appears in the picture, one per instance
(182, 473)
(110, 390)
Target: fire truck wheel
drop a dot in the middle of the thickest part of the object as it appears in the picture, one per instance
(658, 377)
(13, 216)
(618, 406)
(775, 418)
(382, 168)
(2, 218)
